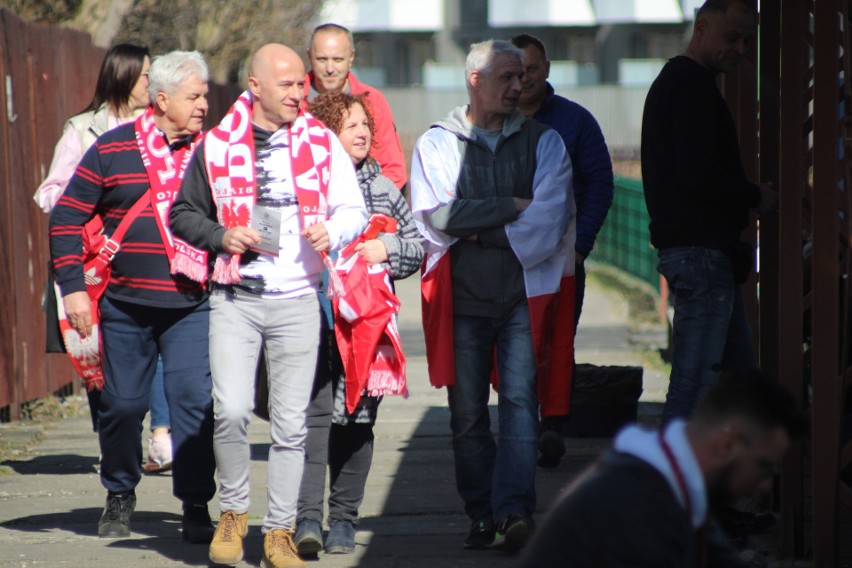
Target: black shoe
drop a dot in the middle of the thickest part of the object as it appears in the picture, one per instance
(551, 448)
(115, 520)
(481, 534)
(739, 524)
(513, 533)
(197, 528)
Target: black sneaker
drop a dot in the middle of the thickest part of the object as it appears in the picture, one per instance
(115, 520)
(196, 526)
(513, 533)
(481, 534)
(551, 448)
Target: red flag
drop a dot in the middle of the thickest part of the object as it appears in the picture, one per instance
(365, 323)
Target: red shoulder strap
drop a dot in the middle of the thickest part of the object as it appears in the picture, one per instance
(114, 241)
(128, 219)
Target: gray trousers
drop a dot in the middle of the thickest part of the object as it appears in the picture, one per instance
(289, 330)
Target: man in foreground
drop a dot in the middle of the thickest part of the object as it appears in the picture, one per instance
(649, 501)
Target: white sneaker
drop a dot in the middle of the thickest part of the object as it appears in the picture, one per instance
(159, 454)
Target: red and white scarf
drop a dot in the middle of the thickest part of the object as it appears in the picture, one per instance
(165, 172)
(229, 158)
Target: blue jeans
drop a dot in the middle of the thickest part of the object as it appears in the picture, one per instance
(710, 332)
(133, 337)
(159, 406)
(495, 479)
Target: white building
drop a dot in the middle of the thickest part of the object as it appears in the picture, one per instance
(424, 42)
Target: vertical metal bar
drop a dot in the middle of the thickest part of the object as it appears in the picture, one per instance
(826, 283)
(790, 306)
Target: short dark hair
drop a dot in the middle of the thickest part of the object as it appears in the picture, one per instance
(522, 41)
(754, 395)
(119, 72)
(720, 6)
(330, 27)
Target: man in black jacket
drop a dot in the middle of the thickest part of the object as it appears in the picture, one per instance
(699, 201)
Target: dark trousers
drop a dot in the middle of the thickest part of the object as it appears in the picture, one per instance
(133, 337)
(346, 450)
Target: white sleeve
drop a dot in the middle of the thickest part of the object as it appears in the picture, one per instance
(347, 214)
(434, 172)
(66, 157)
(539, 231)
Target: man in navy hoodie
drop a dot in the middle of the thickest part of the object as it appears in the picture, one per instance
(593, 185)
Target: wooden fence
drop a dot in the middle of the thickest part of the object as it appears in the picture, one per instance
(46, 75)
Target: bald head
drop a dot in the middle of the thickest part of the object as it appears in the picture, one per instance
(273, 55)
(277, 81)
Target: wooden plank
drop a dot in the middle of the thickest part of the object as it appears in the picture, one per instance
(21, 170)
(826, 279)
(790, 306)
(740, 91)
(8, 384)
(769, 144)
(46, 126)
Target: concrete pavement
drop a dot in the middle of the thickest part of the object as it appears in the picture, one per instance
(51, 497)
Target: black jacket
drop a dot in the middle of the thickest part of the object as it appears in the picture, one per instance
(695, 185)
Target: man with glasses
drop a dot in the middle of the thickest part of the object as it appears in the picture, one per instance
(649, 501)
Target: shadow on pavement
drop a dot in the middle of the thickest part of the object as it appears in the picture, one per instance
(62, 464)
(156, 532)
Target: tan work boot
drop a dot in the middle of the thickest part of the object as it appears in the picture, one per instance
(227, 545)
(279, 550)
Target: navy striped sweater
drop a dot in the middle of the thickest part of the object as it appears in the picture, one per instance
(109, 180)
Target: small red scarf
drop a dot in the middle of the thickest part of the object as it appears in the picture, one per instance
(165, 172)
(229, 157)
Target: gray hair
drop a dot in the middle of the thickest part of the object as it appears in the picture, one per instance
(482, 55)
(169, 71)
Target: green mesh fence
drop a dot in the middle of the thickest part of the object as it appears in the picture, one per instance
(624, 240)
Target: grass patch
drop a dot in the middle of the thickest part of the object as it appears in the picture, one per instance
(642, 299)
(650, 335)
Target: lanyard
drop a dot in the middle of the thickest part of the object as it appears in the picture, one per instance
(687, 502)
(678, 473)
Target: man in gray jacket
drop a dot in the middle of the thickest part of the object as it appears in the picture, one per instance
(491, 195)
